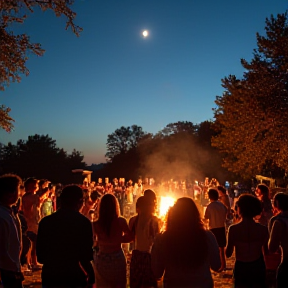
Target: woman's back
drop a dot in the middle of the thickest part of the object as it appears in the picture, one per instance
(248, 238)
(112, 242)
(176, 276)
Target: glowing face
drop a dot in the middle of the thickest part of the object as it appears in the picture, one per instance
(145, 33)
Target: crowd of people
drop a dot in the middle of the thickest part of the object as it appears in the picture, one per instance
(76, 235)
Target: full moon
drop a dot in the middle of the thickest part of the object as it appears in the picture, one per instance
(145, 33)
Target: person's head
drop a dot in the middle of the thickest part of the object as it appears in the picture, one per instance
(184, 214)
(249, 206)
(213, 194)
(94, 196)
(221, 190)
(280, 201)
(31, 185)
(43, 186)
(150, 195)
(262, 191)
(71, 197)
(145, 206)
(9, 189)
(186, 234)
(140, 203)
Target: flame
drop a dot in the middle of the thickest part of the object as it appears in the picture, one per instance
(165, 204)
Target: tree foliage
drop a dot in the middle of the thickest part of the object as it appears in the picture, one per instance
(181, 150)
(6, 122)
(122, 140)
(39, 156)
(252, 114)
(14, 49)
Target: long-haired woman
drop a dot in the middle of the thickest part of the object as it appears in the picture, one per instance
(110, 230)
(185, 251)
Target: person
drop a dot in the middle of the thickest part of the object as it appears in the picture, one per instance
(216, 214)
(110, 231)
(31, 210)
(279, 237)
(64, 244)
(10, 233)
(249, 240)
(262, 193)
(145, 228)
(185, 252)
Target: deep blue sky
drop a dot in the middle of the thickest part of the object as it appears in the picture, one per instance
(85, 88)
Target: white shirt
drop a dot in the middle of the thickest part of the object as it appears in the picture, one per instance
(216, 212)
(10, 240)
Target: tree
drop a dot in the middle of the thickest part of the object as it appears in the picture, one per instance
(251, 117)
(178, 127)
(122, 140)
(14, 49)
(6, 122)
(39, 156)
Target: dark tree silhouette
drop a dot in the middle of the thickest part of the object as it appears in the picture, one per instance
(40, 157)
(122, 140)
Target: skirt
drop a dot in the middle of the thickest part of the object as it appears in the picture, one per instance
(250, 274)
(110, 269)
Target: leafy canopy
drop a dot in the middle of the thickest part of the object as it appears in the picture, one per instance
(252, 114)
(14, 49)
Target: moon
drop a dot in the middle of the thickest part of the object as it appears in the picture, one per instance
(145, 33)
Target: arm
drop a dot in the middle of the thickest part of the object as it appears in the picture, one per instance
(214, 256)
(275, 236)
(40, 243)
(265, 242)
(128, 234)
(230, 244)
(157, 257)
(87, 252)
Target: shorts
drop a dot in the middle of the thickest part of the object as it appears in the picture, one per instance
(220, 235)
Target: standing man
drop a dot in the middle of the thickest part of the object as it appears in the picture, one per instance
(10, 233)
(64, 244)
(216, 213)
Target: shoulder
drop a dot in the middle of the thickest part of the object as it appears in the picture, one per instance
(122, 221)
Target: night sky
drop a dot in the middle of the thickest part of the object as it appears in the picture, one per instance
(86, 87)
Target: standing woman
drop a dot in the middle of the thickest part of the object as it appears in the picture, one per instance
(110, 230)
(250, 241)
(279, 237)
(262, 193)
(185, 251)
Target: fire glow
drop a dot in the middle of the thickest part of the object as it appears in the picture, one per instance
(165, 204)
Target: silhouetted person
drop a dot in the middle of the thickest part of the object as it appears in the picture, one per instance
(31, 209)
(145, 227)
(185, 252)
(279, 237)
(249, 240)
(64, 243)
(216, 213)
(10, 233)
(262, 193)
(110, 231)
